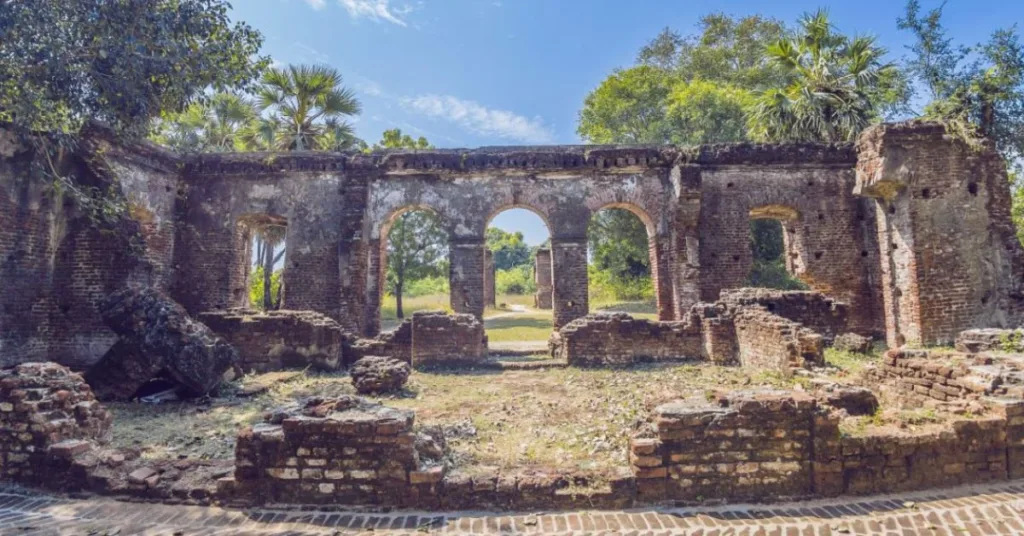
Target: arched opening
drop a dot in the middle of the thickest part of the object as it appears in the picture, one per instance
(265, 237)
(776, 249)
(622, 262)
(414, 265)
(518, 278)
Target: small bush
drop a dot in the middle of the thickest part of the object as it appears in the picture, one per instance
(426, 287)
(773, 274)
(605, 287)
(256, 287)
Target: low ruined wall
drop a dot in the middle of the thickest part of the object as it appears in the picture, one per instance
(768, 341)
(926, 377)
(447, 339)
(337, 451)
(767, 445)
(751, 446)
(396, 344)
(273, 340)
(43, 405)
(620, 339)
(811, 309)
(990, 340)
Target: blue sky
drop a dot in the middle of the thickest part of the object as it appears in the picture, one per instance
(467, 73)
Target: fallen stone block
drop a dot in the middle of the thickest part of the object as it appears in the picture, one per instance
(851, 342)
(157, 338)
(379, 374)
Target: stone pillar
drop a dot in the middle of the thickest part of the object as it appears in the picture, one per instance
(684, 246)
(569, 271)
(542, 277)
(466, 275)
(950, 259)
(661, 275)
(375, 271)
(490, 298)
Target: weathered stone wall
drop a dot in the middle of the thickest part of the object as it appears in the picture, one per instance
(771, 445)
(41, 406)
(335, 451)
(747, 446)
(542, 277)
(768, 341)
(990, 340)
(817, 311)
(273, 340)
(926, 376)
(56, 262)
(950, 259)
(830, 242)
(428, 338)
(440, 339)
(619, 339)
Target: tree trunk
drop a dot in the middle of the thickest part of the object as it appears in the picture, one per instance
(988, 117)
(398, 298)
(268, 272)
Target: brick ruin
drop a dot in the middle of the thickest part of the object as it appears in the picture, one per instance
(904, 235)
(909, 227)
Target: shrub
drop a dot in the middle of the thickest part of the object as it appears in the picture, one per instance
(605, 287)
(256, 287)
(426, 286)
(515, 280)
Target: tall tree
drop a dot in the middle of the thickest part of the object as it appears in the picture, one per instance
(216, 125)
(417, 246)
(838, 86)
(509, 249)
(628, 107)
(268, 238)
(301, 100)
(63, 62)
(975, 90)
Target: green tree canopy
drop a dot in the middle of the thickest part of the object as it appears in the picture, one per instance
(63, 62)
(975, 90)
(628, 107)
(509, 249)
(838, 85)
(700, 111)
(304, 103)
(618, 243)
(394, 139)
(214, 125)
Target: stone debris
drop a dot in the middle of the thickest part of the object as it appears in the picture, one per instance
(852, 342)
(379, 374)
(157, 338)
(274, 340)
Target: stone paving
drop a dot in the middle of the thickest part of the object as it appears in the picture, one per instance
(977, 510)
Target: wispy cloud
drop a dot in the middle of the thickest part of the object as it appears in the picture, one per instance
(479, 119)
(317, 4)
(376, 10)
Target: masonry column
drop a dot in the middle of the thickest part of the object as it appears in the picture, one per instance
(684, 246)
(490, 299)
(542, 277)
(950, 257)
(466, 275)
(661, 275)
(569, 273)
(374, 288)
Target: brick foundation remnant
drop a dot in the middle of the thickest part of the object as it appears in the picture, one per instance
(990, 340)
(44, 407)
(927, 377)
(429, 338)
(273, 340)
(767, 445)
(755, 328)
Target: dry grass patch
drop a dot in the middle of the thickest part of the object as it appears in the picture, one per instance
(569, 420)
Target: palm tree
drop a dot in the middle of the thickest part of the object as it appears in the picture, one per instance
(837, 86)
(268, 237)
(227, 116)
(339, 137)
(302, 99)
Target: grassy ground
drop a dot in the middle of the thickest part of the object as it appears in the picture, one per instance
(560, 419)
(514, 318)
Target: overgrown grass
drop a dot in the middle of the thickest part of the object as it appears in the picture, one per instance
(851, 362)
(559, 419)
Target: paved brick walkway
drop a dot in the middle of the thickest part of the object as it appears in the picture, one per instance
(995, 509)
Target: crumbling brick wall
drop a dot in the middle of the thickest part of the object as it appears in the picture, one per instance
(396, 343)
(447, 339)
(619, 339)
(41, 406)
(768, 341)
(747, 445)
(542, 277)
(990, 340)
(767, 445)
(926, 376)
(334, 451)
(814, 310)
(273, 340)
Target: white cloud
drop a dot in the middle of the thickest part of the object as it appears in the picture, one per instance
(479, 119)
(317, 4)
(375, 10)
